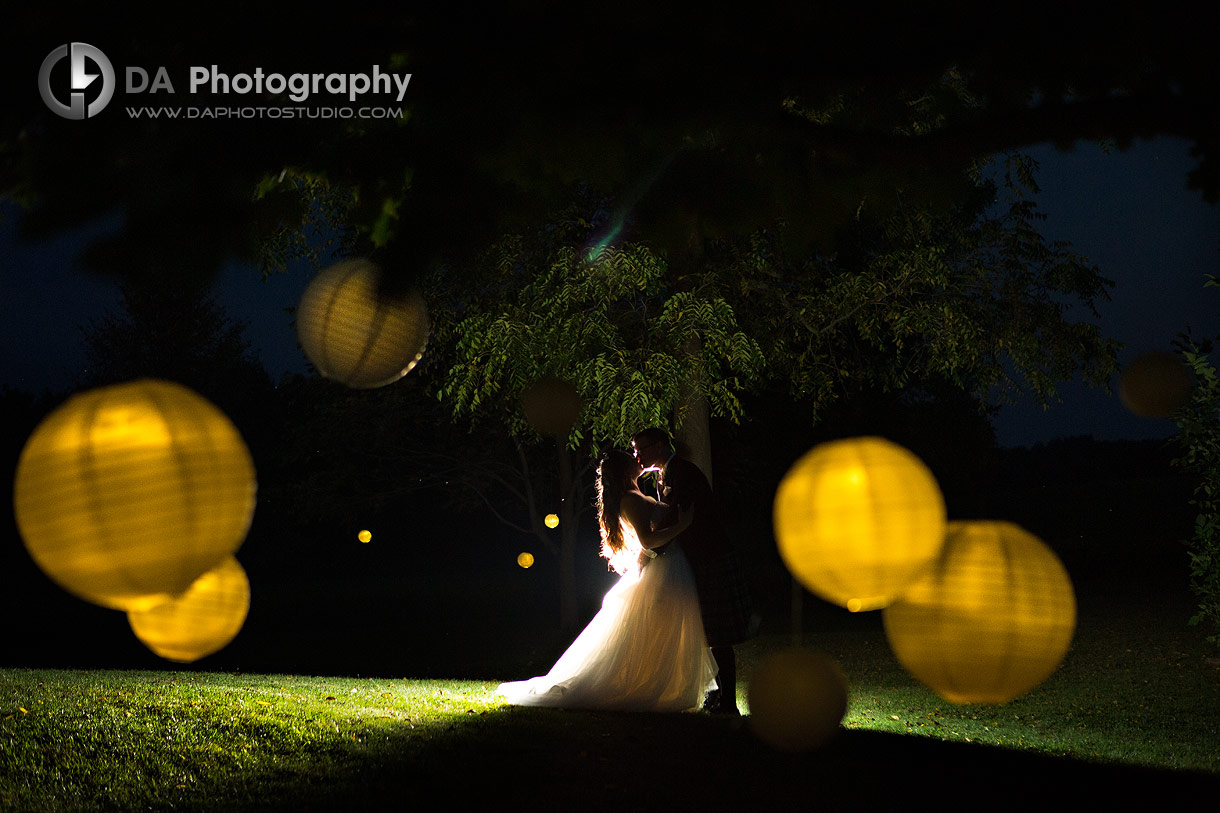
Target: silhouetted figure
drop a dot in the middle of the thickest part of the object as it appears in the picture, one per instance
(724, 597)
(645, 650)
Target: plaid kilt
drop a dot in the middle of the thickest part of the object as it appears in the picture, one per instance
(724, 599)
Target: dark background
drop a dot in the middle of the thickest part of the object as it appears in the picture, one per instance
(437, 592)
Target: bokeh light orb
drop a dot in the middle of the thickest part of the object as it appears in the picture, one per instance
(552, 406)
(356, 334)
(525, 559)
(365, 536)
(856, 520)
(992, 620)
(551, 521)
(202, 620)
(797, 699)
(1155, 385)
(125, 495)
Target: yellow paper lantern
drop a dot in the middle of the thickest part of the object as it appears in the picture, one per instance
(525, 559)
(127, 494)
(354, 333)
(365, 536)
(202, 620)
(1155, 385)
(551, 521)
(991, 621)
(857, 520)
(551, 406)
(797, 699)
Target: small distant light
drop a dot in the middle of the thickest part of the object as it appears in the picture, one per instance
(365, 536)
(525, 559)
(551, 521)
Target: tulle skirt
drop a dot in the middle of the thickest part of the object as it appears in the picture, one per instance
(644, 650)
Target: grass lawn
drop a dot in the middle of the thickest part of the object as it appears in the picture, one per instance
(1134, 709)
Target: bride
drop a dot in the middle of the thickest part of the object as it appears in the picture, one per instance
(645, 649)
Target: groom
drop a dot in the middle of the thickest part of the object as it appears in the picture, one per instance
(723, 596)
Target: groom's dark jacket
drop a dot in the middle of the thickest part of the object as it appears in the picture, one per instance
(723, 593)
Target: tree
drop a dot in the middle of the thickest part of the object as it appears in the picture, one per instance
(1198, 440)
(823, 106)
(181, 333)
(170, 331)
(604, 321)
(963, 296)
(970, 294)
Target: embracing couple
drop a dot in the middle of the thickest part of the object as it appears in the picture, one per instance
(663, 640)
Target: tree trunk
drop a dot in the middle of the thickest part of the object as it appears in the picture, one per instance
(694, 432)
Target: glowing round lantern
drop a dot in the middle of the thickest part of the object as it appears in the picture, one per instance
(127, 494)
(365, 536)
(525, 559)
(991, 621)
(357, 334)
(857, 520)
(551, 406)
(551, 521)
(202, 620)
(1155, 385)
(797, 699)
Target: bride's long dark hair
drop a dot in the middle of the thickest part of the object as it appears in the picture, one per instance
(611, 482)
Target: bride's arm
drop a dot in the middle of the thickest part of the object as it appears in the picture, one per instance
(637, 510)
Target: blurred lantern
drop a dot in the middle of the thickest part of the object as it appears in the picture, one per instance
(127, 494)
(1155, 385)
(357, 334)
(525, 559)
(856, 520)
(365, 536)
(797, 699)
(551, 406)
(199, 622)
(551, 521)
(991, 621)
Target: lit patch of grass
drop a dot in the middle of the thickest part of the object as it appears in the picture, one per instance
(131, 739)
(1127, 693)
(1131, 697)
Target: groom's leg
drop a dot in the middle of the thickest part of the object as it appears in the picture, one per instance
(726, 680)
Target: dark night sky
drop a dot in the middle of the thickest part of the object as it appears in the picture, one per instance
(1129, 212)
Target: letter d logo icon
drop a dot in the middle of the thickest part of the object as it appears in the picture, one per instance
(77, 54)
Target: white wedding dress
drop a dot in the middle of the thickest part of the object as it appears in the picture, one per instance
(643, 651)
